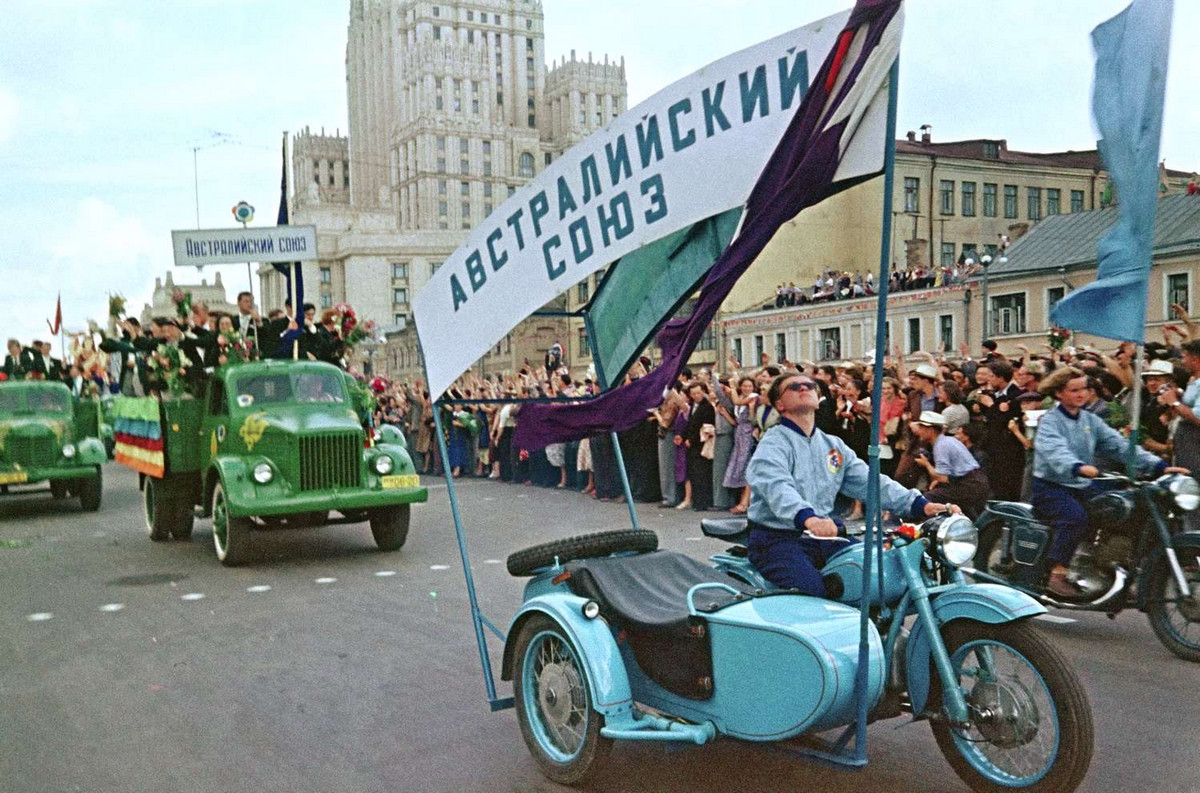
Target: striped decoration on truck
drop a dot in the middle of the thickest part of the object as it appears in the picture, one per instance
(137, 431)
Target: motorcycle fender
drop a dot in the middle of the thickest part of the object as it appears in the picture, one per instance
(1189, 539)
(608, 681)
(991, 604)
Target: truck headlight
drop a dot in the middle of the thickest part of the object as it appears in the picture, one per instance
(263, 473)
(1186, 492)
(957, 540)
(68, 450)
(383, 465)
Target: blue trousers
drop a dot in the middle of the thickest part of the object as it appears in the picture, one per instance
(790, 560)
(1063, 508)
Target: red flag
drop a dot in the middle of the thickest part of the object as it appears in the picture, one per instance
(57, 317)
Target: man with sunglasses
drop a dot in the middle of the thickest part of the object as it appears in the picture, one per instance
(795, 474)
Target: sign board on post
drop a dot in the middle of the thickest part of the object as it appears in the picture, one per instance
(200, 247)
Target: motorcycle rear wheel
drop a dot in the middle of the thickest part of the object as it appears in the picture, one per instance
(554, 704)
(1031, 724)
(1176, 621)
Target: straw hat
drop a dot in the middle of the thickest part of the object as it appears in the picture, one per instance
(931, 419)
(926, 370)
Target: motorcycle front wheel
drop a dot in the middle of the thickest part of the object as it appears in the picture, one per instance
(1030, 722)
(554, 704)
(1176, 619)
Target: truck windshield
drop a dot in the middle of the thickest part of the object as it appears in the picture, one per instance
(276, 388)
(47, 400)
(10, 401)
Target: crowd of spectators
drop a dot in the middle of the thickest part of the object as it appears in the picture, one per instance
(833, 285)
(692, 451)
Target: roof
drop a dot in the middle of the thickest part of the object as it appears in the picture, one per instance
(976, 149)
(1070, 240)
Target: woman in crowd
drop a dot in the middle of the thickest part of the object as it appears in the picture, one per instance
(682, 413)
(700, 429)
(745, 399)
(891, 412)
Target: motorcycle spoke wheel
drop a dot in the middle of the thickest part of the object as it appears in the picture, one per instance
(1175, 618)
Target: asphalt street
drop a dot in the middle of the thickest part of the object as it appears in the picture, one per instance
(327, 666)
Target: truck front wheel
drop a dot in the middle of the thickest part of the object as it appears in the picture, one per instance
(90, 492)
(231, 536)
(389, 526)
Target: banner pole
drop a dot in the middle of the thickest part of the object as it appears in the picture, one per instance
(874, 538)
(1135, 413)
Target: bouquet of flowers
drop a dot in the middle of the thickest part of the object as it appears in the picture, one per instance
(351, 330)
(169, 365)
(116, 306)
(1058, 337)
(183, 303)
(235, 347)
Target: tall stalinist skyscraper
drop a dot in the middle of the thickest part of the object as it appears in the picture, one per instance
(451, 108)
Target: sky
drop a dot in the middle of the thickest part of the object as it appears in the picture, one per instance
(115, 114)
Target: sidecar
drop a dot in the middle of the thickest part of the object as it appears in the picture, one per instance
(679, 637)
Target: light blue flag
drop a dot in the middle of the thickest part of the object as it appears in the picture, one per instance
(1127, 101)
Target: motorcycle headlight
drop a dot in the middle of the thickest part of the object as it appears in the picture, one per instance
(383, 465)
(1186, 492)
(263, 473)
(957, 540)
(68, 450)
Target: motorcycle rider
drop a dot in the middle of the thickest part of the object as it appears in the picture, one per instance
(794, 476)
(1066, 447)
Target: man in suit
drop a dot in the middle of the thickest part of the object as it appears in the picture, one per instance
(54, 367)
(34, 363)
(14, 361)
(1002, 446)
(132, 346)
(248, 321)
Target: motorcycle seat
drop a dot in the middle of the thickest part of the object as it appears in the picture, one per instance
(1012, 509)
(734, 530)
(645, 596)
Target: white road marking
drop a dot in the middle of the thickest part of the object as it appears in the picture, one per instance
(325, 580)
(110, 607)
(41, 616)
(98, 534)
(258, 588)
(693, 539)
(439, 567)
(491, 561)
(192, 596)
(385, 573)
(1055, 619)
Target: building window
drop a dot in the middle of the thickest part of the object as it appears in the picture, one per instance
(464, 188)
(400, 270)
(1053, 197)
(437, 33)
(914, 334)
(441, 142)
(947, 197)
(470, 35)
(970, 251)
(529, 24)
(326, 275)
(1008, 315)
(989, 200)
(991, 150)
(400, 319)
(471, 16)
(585, 349)
(441, 186)
(487, 148)
(737, 351)
(831, 344)
(946, 331)
(548, 158)
(968, 199)
(326, 300)
(1010, 200)
(912, 189)
(500, 98)
(947, 254)
(464, 146)
(466, 214)
(581, 291)
(529, 82)
(400, 297)
(780, 347)
(496, 20)
(441, 164)
(433, 268)
(464, 166)
(532, 121)
(443, 208)
(511, 190)
(1076, 201)
(437, 12)
(487, 209)
(525, 168)
(1034, 199)
(487, 189)
(487, 167)
(1178, 291)
(1053, 295)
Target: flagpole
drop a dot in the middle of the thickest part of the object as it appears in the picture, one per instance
(874, 516)
(1135, 413)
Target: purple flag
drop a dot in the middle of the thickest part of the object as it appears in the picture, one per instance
(801, 172)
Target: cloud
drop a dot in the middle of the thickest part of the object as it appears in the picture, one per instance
(8, 114)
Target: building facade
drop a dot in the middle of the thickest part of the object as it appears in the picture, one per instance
(161, 305)
(1054, 258)
(452, 107)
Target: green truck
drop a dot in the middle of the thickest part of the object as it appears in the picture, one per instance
(271, 444)
(47, 437)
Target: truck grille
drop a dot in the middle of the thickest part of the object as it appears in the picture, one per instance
(328, 461)
(31, 452)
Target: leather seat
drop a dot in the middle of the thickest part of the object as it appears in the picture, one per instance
(645, 596)
(734, 530)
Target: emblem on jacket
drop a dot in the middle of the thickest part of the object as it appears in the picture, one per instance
(833, 461)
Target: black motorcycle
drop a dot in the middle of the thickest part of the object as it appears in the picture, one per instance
(1137, 554)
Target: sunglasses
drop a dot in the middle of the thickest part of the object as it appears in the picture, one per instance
(801, 385)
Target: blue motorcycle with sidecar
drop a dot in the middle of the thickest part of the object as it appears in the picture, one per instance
(617, 640)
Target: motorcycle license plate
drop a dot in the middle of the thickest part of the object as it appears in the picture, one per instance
(400, 480)
(13, 477)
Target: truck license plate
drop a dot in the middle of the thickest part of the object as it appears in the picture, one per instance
(401, 480)
(13, 477)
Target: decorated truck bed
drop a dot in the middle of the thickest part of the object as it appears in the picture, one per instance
(48, 437)
(271, 444)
